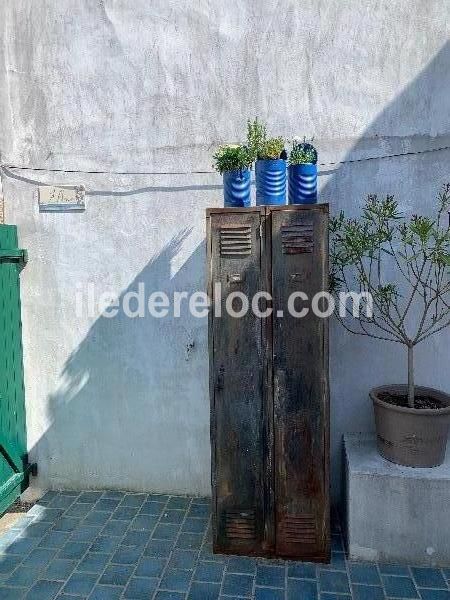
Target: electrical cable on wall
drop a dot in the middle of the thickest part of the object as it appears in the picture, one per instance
(10, 171)
(325, 164)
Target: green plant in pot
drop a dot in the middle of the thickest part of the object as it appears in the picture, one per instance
(303, 153)
(401, 265)
(233, 162)
(270, 167)
(302, 173)
(271, 149)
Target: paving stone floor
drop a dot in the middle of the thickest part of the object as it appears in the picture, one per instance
(110, 545)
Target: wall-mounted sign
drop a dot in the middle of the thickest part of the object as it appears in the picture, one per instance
(61, 198)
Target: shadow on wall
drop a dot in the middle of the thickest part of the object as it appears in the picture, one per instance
(128, 393)
(154, 366)
(357, 363)
(152, 189)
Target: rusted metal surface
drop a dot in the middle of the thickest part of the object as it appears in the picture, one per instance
(297, 238)
(300, 364)
(269, 385)
(237, 367)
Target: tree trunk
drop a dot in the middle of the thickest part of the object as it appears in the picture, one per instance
(411, 376)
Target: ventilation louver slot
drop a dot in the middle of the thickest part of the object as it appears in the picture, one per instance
(240, 525)
(235, 241)
(300, 529)
(297, 239)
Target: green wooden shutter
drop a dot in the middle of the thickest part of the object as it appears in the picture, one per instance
(14, 466)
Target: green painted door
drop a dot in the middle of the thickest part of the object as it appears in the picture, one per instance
(14, 466)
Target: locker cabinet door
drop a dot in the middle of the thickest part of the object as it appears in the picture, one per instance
(300, 371)
(236, 376)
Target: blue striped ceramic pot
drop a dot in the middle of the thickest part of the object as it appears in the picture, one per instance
(236, 188)
(303, 184)
(270, 182)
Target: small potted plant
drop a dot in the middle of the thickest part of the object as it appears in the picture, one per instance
(302, 173)
(233, 162)
(270, 167)
(402, 267)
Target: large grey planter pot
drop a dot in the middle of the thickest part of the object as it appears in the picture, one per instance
(410, 437)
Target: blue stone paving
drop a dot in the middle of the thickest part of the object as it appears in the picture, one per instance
(118, 545)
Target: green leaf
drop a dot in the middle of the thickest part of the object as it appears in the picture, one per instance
(232, 158)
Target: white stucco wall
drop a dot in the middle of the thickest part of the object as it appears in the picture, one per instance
(125, 87)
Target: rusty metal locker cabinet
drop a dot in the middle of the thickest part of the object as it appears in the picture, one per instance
(269, 382)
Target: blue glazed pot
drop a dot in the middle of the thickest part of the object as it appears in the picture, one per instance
(303, 184)
(270, 182)
(236, 188)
